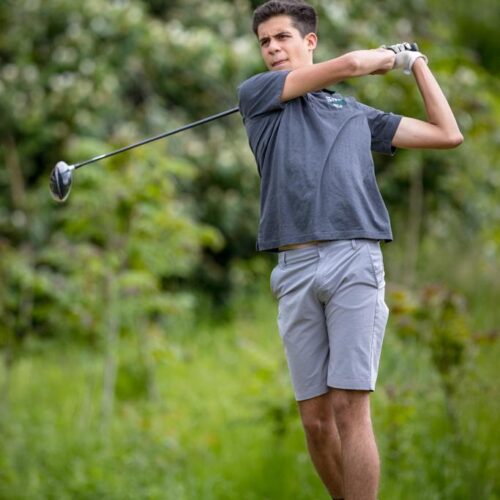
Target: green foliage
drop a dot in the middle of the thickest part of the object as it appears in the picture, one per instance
(226, 426)
(147, 236)
(78, 79)
(436, 319)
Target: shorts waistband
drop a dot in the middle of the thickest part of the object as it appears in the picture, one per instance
(314, 249)
(296, 254)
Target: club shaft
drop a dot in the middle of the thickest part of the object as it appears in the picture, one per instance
(157, 137)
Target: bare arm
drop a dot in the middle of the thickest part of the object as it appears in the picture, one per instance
(440, 131)
(317, 76)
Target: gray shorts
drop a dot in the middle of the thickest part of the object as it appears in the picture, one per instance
(332, 314)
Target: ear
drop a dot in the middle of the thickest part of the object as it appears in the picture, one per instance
(312, 41)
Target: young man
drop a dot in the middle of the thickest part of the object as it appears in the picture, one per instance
(322, 210)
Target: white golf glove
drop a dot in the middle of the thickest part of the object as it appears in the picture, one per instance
(406, 55)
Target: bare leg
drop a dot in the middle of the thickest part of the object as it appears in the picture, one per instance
(360, 459)
(323, 441)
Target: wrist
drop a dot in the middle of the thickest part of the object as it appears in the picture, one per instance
(406, 60)
(418, 59)
(419, 62)
(377, 60)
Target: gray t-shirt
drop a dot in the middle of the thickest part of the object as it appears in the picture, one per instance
(314, 159)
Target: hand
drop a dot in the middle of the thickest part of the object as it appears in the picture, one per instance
(406, 55)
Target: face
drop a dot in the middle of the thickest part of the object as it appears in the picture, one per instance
(282, 46)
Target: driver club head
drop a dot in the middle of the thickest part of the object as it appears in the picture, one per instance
(61, 179)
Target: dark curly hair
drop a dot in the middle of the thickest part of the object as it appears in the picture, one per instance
(304, 17)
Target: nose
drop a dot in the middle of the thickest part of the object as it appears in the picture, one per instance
(273, 47)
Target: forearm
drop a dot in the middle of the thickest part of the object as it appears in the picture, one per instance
(440, 130)
(367, 62)
(353, 64)
(436, 105)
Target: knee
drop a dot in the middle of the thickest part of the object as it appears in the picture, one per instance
(351, 409)
(318, 430)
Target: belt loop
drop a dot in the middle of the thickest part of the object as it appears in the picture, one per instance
(282, 258)
(354, 244)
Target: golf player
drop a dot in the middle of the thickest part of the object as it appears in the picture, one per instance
(322, 211)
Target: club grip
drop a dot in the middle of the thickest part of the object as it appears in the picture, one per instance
(401, 47)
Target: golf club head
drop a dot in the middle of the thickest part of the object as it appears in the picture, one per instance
(61, 179)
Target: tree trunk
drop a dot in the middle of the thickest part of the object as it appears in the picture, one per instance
(147, 360)
(111, 326)
(8, 361)
(16, 178)
(17, 325)
(416, 205)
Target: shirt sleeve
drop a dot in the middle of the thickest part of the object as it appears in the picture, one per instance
(262, 93)
(383, 126)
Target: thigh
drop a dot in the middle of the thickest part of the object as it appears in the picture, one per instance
(301, 322)
(356, 316)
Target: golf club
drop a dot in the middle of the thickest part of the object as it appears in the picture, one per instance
(61, 177)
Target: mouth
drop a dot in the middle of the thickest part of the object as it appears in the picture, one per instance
(276, 64)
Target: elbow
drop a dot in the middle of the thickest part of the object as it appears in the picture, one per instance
(449, 139)
(454, 140)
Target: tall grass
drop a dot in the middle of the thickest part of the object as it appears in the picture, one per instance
(225, 426)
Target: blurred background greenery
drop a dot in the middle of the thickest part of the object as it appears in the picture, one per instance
(139, 351)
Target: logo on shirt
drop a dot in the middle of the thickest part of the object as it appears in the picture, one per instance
(336, 102)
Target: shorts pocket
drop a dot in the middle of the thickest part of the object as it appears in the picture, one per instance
(272, 279)
(377, 261)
